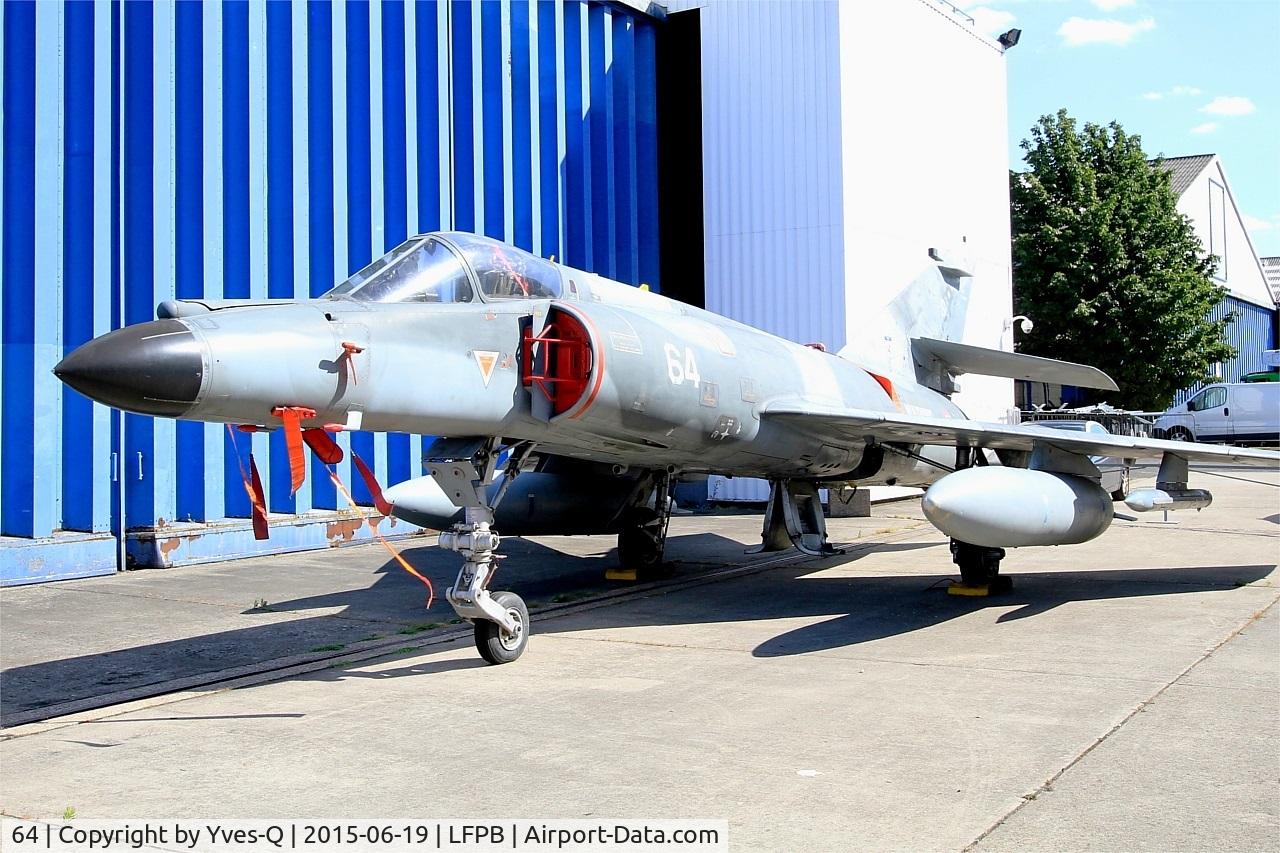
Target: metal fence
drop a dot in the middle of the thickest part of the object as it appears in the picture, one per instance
(1137, 424)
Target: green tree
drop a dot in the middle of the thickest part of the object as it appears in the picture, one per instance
(1109, 270)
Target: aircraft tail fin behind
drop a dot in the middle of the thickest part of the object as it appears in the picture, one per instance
(917, 336)
(933, 306)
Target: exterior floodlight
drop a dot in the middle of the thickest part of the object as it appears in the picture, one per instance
(1009, 39)
(1024, 323)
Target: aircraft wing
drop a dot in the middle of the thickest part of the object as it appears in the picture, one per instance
(842, 425)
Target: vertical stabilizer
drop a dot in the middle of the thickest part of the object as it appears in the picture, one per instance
(933, 305)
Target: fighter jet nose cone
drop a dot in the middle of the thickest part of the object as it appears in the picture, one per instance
(151, 368)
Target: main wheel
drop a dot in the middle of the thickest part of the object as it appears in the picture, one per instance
(978, 566)
(497, 646)
(642, 542)
(978, 571)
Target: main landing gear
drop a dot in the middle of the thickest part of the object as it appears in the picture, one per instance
(462, 468)
(794, 518)
(643, 537)
(979, 570)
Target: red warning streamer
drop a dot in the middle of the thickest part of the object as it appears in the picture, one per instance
(371, 482)
(404, 564)
(292, 417)
(323, 446)
(253, 488)
(329, 453)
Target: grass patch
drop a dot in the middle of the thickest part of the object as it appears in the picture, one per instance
(332, 647)
(566, 597)
(418, 628)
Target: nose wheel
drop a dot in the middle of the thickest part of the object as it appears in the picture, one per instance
(497, 644)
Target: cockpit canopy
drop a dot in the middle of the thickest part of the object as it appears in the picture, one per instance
(452, 267)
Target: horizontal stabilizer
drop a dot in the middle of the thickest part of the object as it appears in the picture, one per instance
(963, 358)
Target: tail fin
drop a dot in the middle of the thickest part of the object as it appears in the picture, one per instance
(917, 336)
(933, 305)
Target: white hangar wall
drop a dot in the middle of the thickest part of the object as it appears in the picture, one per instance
(924, 114)
(841, 143)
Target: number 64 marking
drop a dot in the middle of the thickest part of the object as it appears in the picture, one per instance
(681, 365)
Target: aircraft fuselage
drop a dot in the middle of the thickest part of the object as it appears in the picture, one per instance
(649, 381)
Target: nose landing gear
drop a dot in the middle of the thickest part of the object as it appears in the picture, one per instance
(501, 619)
(462, 468)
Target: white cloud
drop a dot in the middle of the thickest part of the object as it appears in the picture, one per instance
(1175, 92)
(1207, 127)
(1226, 105)
(1112, 5)
(991, 21)
(1253, 223)
(1080, 31)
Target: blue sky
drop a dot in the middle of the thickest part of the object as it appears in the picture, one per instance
(1188, 76)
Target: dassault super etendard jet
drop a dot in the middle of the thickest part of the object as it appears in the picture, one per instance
(570, 403)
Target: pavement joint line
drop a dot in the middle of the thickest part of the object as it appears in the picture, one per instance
(1241, 479)
(1084, 575)
(833, 654)
(1141, 524)
(1048, 784)
(215, 604)
(254, 611)
(1254, 688)
(50, 716)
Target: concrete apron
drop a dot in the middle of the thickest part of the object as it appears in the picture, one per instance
(1123, 696)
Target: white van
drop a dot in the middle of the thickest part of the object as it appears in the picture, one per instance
(1235, 413)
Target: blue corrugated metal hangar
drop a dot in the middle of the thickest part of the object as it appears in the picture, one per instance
(268, 150)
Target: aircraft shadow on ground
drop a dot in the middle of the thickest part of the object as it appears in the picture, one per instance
(901, 605)
(862, 607)
(871, 606)
(394, 604)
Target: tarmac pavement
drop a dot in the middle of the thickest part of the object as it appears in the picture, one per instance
(1124, 695)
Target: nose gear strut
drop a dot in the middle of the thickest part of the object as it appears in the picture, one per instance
(462, 468)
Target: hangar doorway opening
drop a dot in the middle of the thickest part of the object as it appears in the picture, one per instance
(679, 66)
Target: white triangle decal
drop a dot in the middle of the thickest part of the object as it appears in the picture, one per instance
(485, 359)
